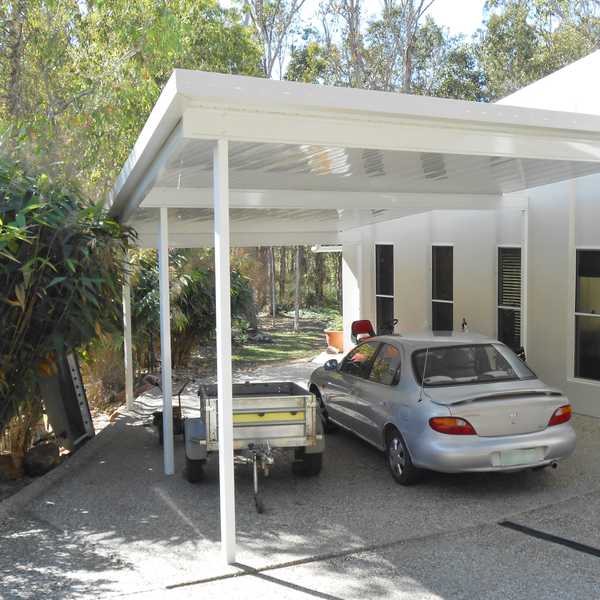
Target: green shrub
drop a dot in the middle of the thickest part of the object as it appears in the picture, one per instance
(60, 277)
(335, 322)
(193, 311)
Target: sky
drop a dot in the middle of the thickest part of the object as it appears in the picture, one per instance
(459, 16)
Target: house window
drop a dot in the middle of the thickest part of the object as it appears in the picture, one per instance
(384, 285)
(509, 297)
(587, 315)
(442, 288)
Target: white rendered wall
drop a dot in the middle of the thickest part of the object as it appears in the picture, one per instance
(575, 88)
(548, 282)
(412, 280)
(474, 235)
(551, 285)
(508, 227)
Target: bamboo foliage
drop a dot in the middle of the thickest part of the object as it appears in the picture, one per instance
(193, 310)
(60, 277)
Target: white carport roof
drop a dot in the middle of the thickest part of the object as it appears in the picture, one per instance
(287, 163)
(322, 160)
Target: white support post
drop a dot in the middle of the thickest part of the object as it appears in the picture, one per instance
(572, 278)
(224, 375)
(127, 344)
(165, 341)
(524, 277)
(351, 290)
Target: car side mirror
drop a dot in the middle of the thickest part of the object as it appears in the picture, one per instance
(331, 365)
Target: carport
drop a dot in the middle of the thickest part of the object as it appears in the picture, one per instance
(237, 161)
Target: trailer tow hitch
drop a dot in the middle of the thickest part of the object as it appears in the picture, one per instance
(261, 458)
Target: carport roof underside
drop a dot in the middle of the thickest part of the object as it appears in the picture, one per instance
(307, 163)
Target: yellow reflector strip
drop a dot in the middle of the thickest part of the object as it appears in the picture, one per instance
(268, 417)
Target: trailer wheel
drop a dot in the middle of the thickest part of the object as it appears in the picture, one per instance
(194, 470)
(260, 505)
(307, 465)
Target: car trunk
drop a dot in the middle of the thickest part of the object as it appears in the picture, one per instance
(511, 408)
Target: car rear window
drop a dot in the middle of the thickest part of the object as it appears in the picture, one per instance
(465, 364)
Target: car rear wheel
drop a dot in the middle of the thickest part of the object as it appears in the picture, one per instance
(398, 460)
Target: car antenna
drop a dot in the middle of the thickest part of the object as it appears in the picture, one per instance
(423, 376)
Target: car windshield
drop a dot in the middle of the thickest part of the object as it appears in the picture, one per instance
(464, 364)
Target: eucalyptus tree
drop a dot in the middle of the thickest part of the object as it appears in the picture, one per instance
(89, 72)
(274, 23)
(400, 22)
(354, 53)
(524, 40)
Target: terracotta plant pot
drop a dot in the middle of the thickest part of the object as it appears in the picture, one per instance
(335, 340)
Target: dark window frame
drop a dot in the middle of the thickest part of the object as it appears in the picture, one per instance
(583, 314)
(436, 301)
(385, 298)
(502, 309)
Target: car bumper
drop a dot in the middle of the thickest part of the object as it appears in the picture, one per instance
(456, 454)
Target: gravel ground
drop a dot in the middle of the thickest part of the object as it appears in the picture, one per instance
(116, 526)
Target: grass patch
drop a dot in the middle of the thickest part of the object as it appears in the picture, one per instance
(286, 345)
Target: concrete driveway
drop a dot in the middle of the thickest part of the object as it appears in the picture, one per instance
(114, 525)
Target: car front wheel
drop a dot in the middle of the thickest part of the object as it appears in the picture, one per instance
(398, 460)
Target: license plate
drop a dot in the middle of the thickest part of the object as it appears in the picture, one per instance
(525, 456)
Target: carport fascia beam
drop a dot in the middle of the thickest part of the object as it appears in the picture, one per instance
(146, 183)
(241, 240)
(316, 199)
(400, 133)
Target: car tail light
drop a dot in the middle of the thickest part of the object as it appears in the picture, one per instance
(560, 415)
(452, 426)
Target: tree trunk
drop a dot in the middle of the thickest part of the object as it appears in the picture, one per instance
(319, 276)
(408, 68)
(339, 280)
(298, 269)
(272, 281)
(261, 283)
(282, 273)
(14, 53)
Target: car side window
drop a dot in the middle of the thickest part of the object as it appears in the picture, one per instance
(386, 366)
(358, 361)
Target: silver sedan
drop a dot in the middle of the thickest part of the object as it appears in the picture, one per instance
(451, 402)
